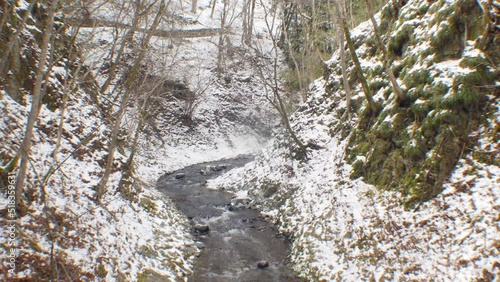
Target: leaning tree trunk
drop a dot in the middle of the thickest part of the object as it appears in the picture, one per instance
(11, 41)
(357, 64)
(385, 56)
(35, 104)
(129, 36)
(345, 79)
(101, 187)
(194, 6)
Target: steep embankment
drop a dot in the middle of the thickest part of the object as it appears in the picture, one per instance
(407, 192)
(195, 113)
(61, 233)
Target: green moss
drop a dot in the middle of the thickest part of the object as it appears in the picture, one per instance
(384, 130)
(377, 84)
(469, 97)
(101, 271)
(398, 43)
(417, 78)
(414, 150)
(420, 109)
(422, 9)
(148, 205)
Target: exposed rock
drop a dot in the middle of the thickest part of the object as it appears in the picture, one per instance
(180, 175)
(201, 228)
(238, 203)
(217, 167)
(263, 264)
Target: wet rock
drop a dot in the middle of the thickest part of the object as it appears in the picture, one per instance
(238, 203)
(201, 228)
(180, 175)
(263, 264)
(217, 167)
(246, 79)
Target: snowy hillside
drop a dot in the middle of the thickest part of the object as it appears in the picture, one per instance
(136, 234)
(434, 212)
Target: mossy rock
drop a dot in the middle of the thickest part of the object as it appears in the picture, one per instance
(149, 275)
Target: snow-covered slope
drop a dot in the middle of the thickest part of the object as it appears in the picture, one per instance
(63, 232)
(90, 241)
(343, 228)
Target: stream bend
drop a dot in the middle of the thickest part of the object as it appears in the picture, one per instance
(238, 238)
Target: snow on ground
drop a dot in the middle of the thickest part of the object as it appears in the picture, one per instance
(117, 239)
(345, 229)
(233, 117)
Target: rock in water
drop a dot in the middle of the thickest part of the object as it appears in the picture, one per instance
(180, 176)
(217, 167)
(263, 264)
(238, 203)
(201, 228)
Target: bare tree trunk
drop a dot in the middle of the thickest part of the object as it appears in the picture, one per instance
(248, 40)
(129, 166)
(343, 64)
(298, 69)
(4, 13)
(343, 61)
(248, 18)
(271, 80)
(68, 88)
(101, 187)
(222, 37)
(194, 6)
(282, 110)
(392, 78)
(35, 105)
(486, 37)
(128, 36)
(213, 9)
(11, 41)
(245, 13)
(359, 70)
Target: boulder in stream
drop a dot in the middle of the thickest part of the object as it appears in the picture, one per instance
(201, 228)
(263, 264)
(238, 203)
(180, 175)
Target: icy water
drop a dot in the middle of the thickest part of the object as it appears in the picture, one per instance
(237, 239)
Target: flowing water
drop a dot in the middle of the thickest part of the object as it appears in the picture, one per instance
(237, 239)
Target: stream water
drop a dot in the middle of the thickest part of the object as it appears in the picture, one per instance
(237, 239)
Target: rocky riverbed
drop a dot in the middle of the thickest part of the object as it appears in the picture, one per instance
(238, 243)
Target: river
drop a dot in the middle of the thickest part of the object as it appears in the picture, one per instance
(240, 245)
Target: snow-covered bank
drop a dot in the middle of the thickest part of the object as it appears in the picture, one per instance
(63, 233)
(117, 240)
(344, 229)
